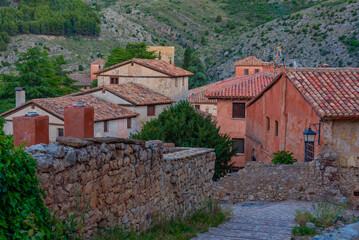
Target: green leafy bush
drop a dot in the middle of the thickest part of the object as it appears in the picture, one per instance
(182, 125)
(327, 213)
(303, 231)
(303, 217)
(283, 157)
(23, 214)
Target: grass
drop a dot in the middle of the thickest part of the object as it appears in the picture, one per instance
(180, 229)
(303, 231)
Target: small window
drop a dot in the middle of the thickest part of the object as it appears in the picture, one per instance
(151, 110)
(238, 145)
(183, 81)
(114, 80)
(256, 71)
(129, 122)
(197, 107)
(267, 124)
(356, 193)
(246, 71)
(60, 132)
(105, 126)
(276, 128)
(239, 110)
(176, 82)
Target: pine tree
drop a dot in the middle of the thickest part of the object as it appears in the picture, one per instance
(182, 125)
(132, 50)
(193, 63)
(40, 75)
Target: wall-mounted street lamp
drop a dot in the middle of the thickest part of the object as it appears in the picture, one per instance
(309, 135)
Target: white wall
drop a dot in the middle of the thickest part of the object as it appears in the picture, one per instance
(116, 128)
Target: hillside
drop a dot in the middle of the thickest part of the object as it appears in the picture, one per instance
(223, 31)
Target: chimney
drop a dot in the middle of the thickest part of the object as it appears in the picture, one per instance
(79, 121)
(325, 65)
(32, 128)
(20, 95)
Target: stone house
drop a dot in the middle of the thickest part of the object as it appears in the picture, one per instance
(156, 75)
(251, 65)
(147, 103)
(110, 119)
(84, 80)
(232, 95)
(323, 99)
(164, 53)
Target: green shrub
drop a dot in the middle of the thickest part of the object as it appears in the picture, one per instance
(303, 231)
(303, 217)
(200, 221)
(23, 214)
(182, 125)
(283, 157)
(327, 213)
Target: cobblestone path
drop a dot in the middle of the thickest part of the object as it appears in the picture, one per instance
(258, 220)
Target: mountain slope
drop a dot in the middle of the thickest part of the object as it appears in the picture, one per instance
(223, 31)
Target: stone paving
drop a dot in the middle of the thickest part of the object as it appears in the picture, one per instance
(258, 220)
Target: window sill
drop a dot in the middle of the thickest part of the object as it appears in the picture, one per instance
(239, 154)
(238, 118)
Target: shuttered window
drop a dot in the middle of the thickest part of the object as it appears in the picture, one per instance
(238, 145)
(151, 110)
(239, 110)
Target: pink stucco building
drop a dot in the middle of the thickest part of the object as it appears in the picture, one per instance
(232, 96)
(323, 99)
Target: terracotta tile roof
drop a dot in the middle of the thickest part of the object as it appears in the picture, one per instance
(155, 64)
(250, 61)
(240, 87)
(99, 61)
(197, 95)
(103, 110)
(82, 79)
(331, 92)
(133, 93)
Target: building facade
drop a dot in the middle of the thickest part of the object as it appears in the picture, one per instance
(156, 75)
(232, 96)
(323, 99)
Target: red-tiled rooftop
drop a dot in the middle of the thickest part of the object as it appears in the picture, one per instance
(82, 79)
(250, 61)
(331, 92)
(99, 61)
(155, 64)
(103, 110)
(245, 87)
(197, 95)
(134, 94)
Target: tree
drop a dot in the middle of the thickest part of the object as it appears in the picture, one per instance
(193, 63)
(218, 18)
(40, 75)
(182, 125)
(132, 50)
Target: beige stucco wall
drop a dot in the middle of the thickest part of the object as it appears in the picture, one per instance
(210, 108)
(175, 88)
(116, 128)
(143, 118)
(109, 97)
(343, 137)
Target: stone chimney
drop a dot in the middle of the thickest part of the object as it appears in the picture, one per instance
(96, 66)
(79, 121)
(32, 128)
(20, 95)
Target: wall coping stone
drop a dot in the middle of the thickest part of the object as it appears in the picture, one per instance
(79, 143)
(186, 152)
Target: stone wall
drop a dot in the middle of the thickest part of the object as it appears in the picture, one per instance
(316, 180)
(122, 182)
